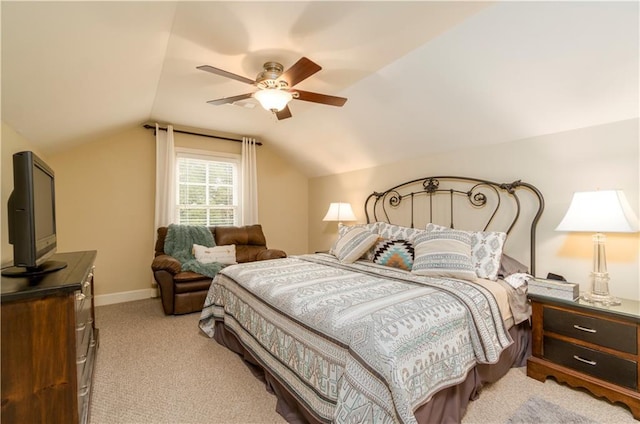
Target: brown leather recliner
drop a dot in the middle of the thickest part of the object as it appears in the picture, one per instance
(183, 292)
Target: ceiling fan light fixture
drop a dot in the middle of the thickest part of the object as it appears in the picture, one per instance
(273, 99)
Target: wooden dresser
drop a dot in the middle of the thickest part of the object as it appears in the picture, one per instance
(588, 345)
(49, 343)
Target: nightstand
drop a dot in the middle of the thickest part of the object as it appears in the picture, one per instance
(588, 345)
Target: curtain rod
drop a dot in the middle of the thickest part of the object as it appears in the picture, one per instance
(151, 127)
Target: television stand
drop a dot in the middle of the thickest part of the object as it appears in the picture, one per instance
(49, 344)
(45, 268)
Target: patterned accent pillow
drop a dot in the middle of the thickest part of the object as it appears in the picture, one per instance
(353, 244)
(394, 253)
(486, 250)
(445, 253)
(342, 230)
(372, 227)
(397, 232)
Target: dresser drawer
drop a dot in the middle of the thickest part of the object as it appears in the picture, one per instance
(83, 335)
(598, 364)
(83, 308)
(600, 331)
(85, 372)
(84, 363)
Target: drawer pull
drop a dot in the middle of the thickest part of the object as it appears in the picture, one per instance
(84, 390)
(586, 361)
(581, 328)
(82, 359)
(80, 297)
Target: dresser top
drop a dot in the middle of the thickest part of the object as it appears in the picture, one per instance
(629, 308)
(68, 279)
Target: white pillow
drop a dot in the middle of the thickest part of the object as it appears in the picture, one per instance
(223, 254)
(486, 250)
(354, 243)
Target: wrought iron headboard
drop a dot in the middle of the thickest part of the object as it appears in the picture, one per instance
(419, 195)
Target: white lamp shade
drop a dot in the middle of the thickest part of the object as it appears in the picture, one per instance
(273, 98)
(339, 212)
(606, 211)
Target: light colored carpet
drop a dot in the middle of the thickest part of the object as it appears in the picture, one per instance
(153, 368)
(536, 410)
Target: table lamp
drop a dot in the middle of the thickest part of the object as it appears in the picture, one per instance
(339, 212)
(606, 211)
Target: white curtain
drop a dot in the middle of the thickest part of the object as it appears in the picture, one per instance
(165, 178)
(249, 182)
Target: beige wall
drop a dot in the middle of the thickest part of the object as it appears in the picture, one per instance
(105, 201)
(12, 142)
(105, 197)
(600, 157)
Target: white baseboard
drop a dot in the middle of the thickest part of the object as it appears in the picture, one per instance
(128, 296)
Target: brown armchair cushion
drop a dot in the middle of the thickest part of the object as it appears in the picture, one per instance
(166, 263)
(247, 235)
(270, 254)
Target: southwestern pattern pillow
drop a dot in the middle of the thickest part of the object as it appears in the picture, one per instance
(353, 244)
(486, 250)
(394, 253)
(445, 253)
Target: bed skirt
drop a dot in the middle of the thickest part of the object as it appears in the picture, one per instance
(446, 406)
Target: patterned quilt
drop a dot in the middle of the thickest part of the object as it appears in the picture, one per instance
(358, 342)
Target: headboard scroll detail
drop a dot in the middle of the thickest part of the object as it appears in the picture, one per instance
(485, 195)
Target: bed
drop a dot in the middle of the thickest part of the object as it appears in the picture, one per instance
(395, 324)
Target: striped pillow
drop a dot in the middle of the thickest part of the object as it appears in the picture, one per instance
(486, 250)
(354, 243)
(444, 253)
(342, 230)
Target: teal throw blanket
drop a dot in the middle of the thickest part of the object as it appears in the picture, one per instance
(179, 244)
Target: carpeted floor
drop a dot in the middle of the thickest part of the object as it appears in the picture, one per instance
(536, 410)
(153, 368)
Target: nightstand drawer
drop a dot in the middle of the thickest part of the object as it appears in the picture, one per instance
(598, 364)
(603, 332)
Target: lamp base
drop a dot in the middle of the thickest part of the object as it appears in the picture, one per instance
(599, 292)
(606, 300)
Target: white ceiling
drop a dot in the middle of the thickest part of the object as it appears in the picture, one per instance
(421, 77)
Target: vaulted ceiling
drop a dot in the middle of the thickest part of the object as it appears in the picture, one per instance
(421, 77)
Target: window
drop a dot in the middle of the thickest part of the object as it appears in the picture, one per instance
(208, 188)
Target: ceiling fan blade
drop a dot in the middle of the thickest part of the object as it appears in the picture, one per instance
(225, 100)
(326, 99)
(284, 113)
(222, 73)
(300, 70)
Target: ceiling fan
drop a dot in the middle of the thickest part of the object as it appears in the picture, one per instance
(275, 87)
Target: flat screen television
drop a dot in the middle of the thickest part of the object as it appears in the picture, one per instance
(31, 213)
